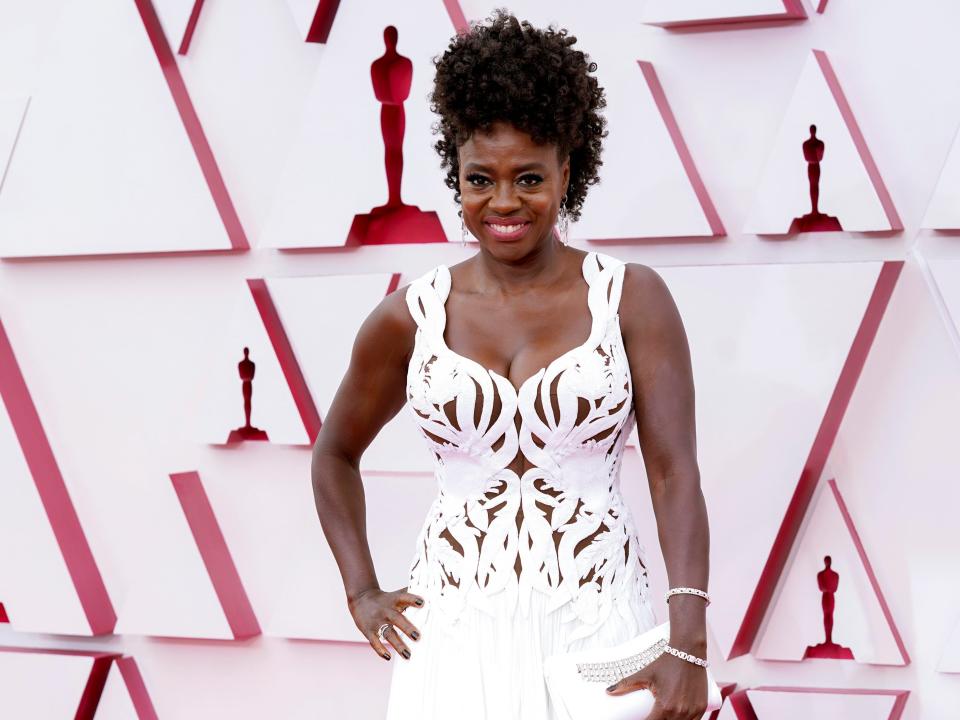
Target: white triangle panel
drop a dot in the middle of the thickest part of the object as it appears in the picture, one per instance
(850, 188)
(103, 163)
(266, 89)
(335, 166)
(661, 201)
(795, 618)
(943, 213)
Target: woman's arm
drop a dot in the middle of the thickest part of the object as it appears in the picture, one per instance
(371, 393)
(660, 368)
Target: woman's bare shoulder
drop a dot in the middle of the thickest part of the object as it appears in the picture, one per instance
(640, 279)
(391, 324)
(646, 303)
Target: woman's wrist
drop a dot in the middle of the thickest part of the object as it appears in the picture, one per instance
(354, 595)
(693, 644)
(688, 624)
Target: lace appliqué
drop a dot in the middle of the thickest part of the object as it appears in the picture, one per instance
(563, 518)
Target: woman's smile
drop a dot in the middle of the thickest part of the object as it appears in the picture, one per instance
(506, 228)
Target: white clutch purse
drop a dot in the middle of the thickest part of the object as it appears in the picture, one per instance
(577, 681)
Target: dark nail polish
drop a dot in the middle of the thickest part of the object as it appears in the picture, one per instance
(386, 656)
(419, 602)
(612, 687)
(415, 635)
(406, 654)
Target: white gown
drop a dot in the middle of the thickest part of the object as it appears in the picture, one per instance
(528, 548)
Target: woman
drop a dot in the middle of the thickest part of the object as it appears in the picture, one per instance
(528, 549)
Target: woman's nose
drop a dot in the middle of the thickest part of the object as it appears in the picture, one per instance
(505, 198)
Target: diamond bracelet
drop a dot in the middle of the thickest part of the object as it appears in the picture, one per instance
(615, 670)
(686, 656)
(687, 590)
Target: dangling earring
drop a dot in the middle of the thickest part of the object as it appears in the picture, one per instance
(563, 222)
(463, 232)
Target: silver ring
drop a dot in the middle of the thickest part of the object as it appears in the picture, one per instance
(381, 630)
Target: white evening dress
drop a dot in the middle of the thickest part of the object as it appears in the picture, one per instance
(528, 548)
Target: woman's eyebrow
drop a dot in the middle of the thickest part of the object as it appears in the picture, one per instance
(480, 167)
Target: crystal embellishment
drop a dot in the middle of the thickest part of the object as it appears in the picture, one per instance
(686, 656)
(615, 670)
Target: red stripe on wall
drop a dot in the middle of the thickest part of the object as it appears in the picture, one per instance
(93, 691)
(319, 31)
(136, 688)
(87, 581)
(457, 16)
(686, 159)
(287, 358)
(868, 568)
(216, 555)
(191, 123)
(191, 26)
(322, 21)
(858, 140)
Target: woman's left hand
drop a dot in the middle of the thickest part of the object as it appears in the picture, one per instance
(679, 688)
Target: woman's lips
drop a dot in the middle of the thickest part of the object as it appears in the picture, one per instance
(507, 229)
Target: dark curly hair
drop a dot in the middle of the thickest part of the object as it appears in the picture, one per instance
(507, 70)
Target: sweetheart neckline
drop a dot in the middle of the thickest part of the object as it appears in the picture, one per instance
(517, 391)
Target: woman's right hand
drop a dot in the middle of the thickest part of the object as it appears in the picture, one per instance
(371, 608)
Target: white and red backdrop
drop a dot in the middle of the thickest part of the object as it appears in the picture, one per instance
(180, 179)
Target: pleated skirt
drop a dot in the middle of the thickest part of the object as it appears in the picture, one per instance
(490, 666)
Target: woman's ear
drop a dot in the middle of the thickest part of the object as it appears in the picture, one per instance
(566, 175)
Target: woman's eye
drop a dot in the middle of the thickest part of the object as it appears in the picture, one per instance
(530, 179)
(475, 179)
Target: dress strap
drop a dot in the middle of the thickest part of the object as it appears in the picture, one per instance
(606, 272)
(425, 298)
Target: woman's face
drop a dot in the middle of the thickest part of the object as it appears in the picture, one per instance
(510, 189)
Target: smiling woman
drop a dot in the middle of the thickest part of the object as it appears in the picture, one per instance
(512, 187)
(508, 75)
(526, 367)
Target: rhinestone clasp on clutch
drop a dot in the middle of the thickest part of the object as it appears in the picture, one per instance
(616, 670)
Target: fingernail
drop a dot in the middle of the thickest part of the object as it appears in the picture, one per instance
(415, 635)
(386, 656)
(406, 654)
(419, 602)
(612, 687)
